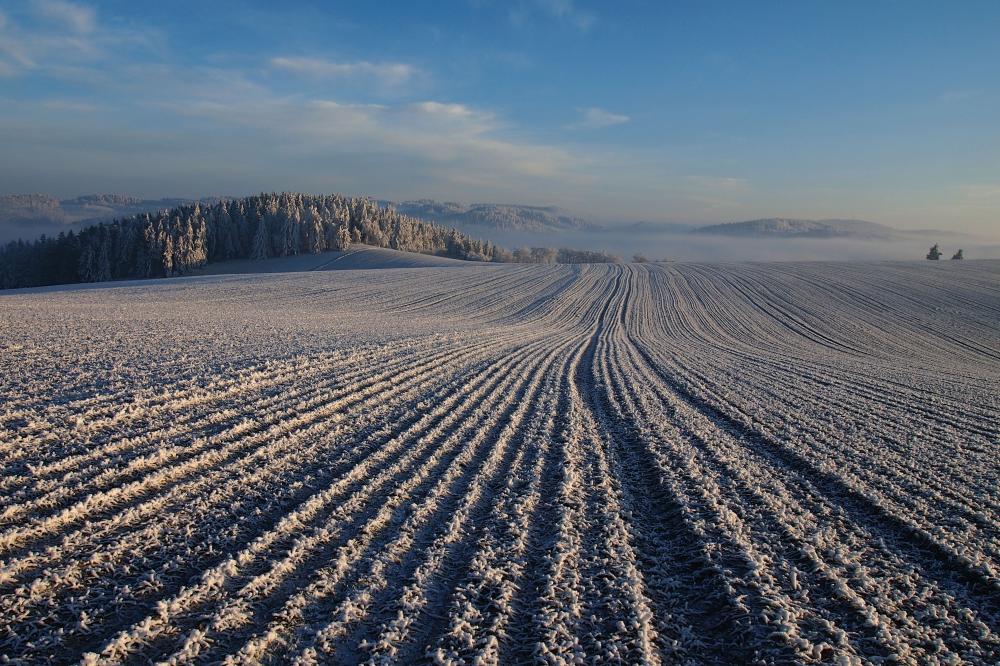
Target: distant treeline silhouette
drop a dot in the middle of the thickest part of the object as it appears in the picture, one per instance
(177, 241)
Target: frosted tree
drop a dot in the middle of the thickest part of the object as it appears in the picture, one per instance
(103, 265)
(313, 238)
(168, 255)
(86, 264)
(259, 248)
(291, 226)
(146, 251)
(343, 238)
(124, 263)
(199, 250)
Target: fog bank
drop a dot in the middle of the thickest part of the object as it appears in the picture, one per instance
(679, 246)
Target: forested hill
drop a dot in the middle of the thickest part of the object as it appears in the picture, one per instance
(502, 217)
(173, 242)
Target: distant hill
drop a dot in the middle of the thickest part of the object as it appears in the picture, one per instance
(30, 207)
(485, 218)
(780, 227)
(503, 217)
(27, 216)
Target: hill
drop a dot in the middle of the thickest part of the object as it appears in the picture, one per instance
(185, 238)
(503, 217)
(780, 227)
(27, 216)
(178, 241)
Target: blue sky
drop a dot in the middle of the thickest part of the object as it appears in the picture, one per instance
(684, 111)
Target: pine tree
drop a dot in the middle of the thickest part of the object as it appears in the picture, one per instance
(343, 238)
(102, 267)
(199, 250)
(145, 251)
(86, 264)
(259, 250)
(167, 257)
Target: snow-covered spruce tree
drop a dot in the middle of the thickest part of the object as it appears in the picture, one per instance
(167, 256)
(343, 238)
(313, 240)
(260, 240)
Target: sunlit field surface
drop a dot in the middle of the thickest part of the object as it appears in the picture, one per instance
(674, 463)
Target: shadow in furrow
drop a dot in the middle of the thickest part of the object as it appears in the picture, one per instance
(432, 621)
(668, 550)
(911, 543)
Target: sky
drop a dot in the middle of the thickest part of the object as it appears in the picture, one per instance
(632, 110)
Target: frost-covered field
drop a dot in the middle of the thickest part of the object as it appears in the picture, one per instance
(681, 463)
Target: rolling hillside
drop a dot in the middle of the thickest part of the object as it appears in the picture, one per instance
(779, 227)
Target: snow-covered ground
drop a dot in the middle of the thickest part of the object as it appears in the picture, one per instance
(678, 463)
(358, 257)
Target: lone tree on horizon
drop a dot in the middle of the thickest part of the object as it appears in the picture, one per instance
(958, 255)
(934, 254)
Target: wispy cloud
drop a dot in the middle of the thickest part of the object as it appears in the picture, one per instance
(569, 11)
(596, 118)
(386, 73)
(441, 141)
(14, 53)
(64, 39)
(455, 142)
(77, 17)
(523, 13)
(68, 105)
(450, 112)
(310, 137)
(330, 104)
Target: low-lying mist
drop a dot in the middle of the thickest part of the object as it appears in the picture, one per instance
(683, 246)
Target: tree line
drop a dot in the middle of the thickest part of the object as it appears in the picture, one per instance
(177, 241)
